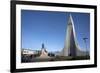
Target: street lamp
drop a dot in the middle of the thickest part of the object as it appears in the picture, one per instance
(85, 44)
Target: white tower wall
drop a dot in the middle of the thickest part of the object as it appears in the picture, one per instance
(71, 47)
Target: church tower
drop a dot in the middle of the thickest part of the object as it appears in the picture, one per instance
(70, 43)
(71, 47)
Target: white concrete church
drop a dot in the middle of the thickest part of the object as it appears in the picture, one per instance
(71, 47)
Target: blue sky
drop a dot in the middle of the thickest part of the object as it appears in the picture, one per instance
(49, 27)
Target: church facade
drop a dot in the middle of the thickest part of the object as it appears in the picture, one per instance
(71, 47)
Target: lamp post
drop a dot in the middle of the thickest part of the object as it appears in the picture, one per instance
(85, 44)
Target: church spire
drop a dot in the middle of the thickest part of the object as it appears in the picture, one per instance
(70, 21)
(70, 40)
